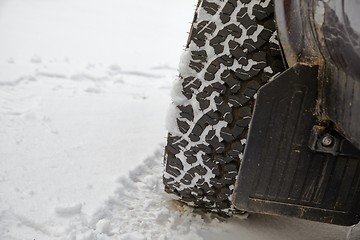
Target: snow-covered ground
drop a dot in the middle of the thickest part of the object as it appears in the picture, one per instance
(84, 91)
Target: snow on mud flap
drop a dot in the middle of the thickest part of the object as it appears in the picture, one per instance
(231, 52)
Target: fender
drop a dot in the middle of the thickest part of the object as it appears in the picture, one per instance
(327, 34)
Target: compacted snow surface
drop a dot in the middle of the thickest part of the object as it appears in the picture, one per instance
(84, 90)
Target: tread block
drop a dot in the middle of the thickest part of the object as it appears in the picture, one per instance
(210, 7)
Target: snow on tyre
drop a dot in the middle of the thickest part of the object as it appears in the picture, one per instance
(231, 52)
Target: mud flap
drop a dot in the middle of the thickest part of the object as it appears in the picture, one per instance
(280, 174)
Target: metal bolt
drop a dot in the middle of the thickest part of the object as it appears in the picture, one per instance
(327, 141)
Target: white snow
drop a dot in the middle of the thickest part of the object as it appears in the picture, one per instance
(84, 91)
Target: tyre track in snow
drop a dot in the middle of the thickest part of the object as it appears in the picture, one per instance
(141, 210)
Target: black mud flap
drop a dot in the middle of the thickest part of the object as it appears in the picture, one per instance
(280, 174)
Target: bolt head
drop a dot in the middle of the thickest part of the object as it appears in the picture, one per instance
(327, 141)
